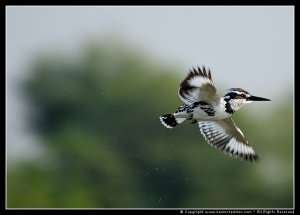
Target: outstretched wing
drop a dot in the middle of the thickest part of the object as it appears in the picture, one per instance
(227, 137)
(198, 86)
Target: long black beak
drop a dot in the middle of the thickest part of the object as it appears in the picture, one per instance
(255, 98)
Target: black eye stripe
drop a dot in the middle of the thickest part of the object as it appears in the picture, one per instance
(233, 95)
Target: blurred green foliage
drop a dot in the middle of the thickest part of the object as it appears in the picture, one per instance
(98, 118)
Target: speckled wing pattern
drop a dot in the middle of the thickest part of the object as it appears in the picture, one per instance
(198, 86)
(227, 137)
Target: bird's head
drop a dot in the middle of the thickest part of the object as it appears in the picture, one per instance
(237, 97)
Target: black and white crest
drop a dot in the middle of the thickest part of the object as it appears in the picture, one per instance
(236, 93)
(237, 89)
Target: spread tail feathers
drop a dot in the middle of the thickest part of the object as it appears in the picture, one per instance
(170, 121)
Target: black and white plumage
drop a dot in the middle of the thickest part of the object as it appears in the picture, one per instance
(203, 105)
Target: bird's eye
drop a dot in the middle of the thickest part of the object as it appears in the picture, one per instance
(243, 95)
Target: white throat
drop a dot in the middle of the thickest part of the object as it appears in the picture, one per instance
(236, 104)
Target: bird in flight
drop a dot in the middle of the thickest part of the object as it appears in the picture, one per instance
(213, 113)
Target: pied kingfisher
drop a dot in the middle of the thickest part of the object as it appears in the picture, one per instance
(203, 105)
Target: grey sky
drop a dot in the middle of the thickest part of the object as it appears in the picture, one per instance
(242, 41)
(248, 47)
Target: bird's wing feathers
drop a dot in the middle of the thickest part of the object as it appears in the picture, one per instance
(198, 86)
(227, 137)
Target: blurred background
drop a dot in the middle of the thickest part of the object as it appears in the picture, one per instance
(85, 87)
